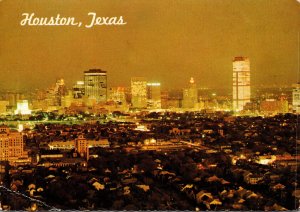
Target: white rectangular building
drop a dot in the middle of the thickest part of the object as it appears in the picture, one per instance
(241, 91)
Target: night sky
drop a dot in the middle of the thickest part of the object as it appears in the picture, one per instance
(166, 41)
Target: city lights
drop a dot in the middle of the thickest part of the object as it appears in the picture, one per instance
(23, 108)
(149, 105)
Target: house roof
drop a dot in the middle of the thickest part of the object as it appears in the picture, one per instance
(144, 187)
(213, 179)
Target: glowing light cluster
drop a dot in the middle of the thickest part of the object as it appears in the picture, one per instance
(153, 84)
(23, 108)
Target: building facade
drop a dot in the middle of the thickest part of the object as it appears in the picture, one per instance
(82, 146)
(117, 95)
(296, 98)
(241, 83)
(3, 106)
(190, 95)
(22, 108)
(78, 90)
(138, 92)
(11, 145)
(153, 95)
(273, 106)
(60, 91)
(95, 85)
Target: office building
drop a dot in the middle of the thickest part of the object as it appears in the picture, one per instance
(273, 106)
(153, 95)
(138, 92)
(190, 95)
(95, 85)
(22, 108)
(11, 145)
(3, 106)
(82, 147)
(78, 90)
(241, 83)
(60, 91)
(117, 95)
(296, 98)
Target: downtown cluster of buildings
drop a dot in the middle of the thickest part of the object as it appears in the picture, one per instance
(93, 95)
(215, 160)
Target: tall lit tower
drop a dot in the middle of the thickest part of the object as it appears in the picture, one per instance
(139, 92)
(60, 90)
(296, 98)
(190, 95)
(95, 85)
(241, 83)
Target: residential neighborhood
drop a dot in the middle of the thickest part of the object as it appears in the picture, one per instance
(188, 161)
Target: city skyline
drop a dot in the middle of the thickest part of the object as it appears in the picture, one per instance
(173, 105)
(167, 46)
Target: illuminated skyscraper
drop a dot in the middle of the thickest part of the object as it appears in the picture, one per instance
(139, 92)
(153, 95)
(22, 108)
(241, 83)
(78, 90)
(296, 98)
(95, 85)
(117, 95)
(60, 91)
(190, 95)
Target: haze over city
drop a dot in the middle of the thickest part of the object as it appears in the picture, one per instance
(166, 41)
(135, 105)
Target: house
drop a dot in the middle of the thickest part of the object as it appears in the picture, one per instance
(144, 187)
(207, 131)
(212, 203)
(202, 196)
(226, 194)
(16, 184)
(277, 187)
(129, 180)
(187, 186)
(98, 186)
(253, 179)
(275, 207)
(296, 193)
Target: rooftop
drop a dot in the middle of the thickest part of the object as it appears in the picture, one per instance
(91, 71)
(240, 58)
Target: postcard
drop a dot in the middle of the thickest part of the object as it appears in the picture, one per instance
(180, 105)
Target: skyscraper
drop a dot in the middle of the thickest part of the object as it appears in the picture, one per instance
(241, 83)
(22, 108)
(153, 95)
(190, 95)
(60, 91)
(138, 92)
(296, 98)
(95, 85)
(117, 95)
(78, 90)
